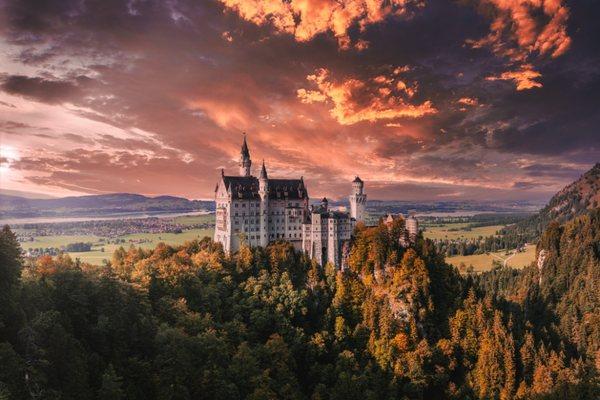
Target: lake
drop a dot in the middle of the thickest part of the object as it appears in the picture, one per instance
(107, 217)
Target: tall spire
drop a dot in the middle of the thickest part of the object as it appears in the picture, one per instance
(263, 171)
(245, 151)
(245, 162)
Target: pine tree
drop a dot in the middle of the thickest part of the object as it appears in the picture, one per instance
(111, 388)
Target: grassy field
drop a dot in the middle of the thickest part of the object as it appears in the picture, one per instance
(459, 231)
(481, 262)
(97, 256)
(484, 262)
(195, 219)
(57, 241)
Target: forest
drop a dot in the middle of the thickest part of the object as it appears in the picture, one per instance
(190, 322)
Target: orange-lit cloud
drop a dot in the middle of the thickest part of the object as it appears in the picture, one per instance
(524, 78)
(94, 104)
(354, 100)
(522, 27)
(307, 18)
(468, 101)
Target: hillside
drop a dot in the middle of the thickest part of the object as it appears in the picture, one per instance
(189, 322)
(574, 200)
(21, 207)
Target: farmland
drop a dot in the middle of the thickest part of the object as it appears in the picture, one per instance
(103, 247)
(464, 232)
(453, 231)
(484, 262)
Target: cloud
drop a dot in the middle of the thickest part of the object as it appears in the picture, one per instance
(307, 18)
(41, 89)
(161, 118)
(524, 185)
(524, 78)
(354, 100)
(468, 101)
(12, 126)
(5, 104)
(520, 28)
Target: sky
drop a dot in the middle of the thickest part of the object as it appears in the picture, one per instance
(425, 100)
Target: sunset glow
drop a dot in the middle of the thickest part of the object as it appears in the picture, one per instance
(423, 99)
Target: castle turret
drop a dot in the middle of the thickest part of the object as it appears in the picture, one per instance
(263, 192)
(358, 200)
(412, 227)
(245, 162)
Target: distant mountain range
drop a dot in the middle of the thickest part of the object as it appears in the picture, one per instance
(93, 205)
(27, 195)
(574, 200)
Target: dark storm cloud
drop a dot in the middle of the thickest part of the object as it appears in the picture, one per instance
(5, 104)
(41, 89)
(79, 139)
(12, 126)
(524, 185)
(182, 79)
(20, 128)
(551, 170)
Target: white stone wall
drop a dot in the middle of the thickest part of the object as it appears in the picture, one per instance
(245, 223)
(222, 218)
(263, 221)
(412, 227)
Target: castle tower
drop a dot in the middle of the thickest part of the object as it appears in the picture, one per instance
(245, 162)
(358, 200)
(412, 227)
(263, 192)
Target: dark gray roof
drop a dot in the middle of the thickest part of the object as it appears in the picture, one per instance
(263, 171)
(330, 214)
(338, 214)
(292, 189)
(357, 179)
(246, 187)
(242, 187)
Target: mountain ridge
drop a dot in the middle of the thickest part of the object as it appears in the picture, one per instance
(576, 199)
(21, 207)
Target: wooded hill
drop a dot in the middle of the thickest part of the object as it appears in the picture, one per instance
(190, 322)
(575, 199)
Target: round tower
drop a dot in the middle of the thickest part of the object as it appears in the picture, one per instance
(358, 200)
(263, 192)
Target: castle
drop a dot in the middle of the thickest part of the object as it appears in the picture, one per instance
(411, 227)
(262, 210)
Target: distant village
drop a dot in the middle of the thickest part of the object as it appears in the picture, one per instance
(108, 231)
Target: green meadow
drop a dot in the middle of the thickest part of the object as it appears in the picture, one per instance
(102, 250)
(485, 262)
(459, 231)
